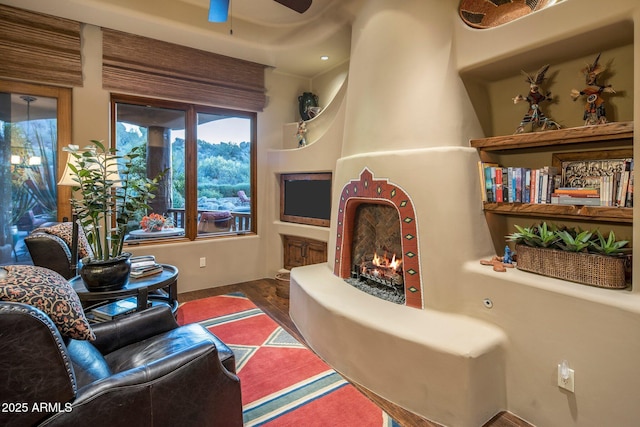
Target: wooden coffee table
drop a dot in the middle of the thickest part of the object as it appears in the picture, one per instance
(161, 288)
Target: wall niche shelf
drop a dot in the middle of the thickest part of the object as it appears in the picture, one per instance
(570, 138)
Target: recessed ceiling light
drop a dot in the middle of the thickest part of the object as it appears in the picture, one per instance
(324, 57)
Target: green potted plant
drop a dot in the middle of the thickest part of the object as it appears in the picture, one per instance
(108, 195)
(581, 256)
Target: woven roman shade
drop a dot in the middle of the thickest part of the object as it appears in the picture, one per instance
(40, 48)
(143, 66)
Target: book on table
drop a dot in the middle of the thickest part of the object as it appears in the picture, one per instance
(142, 261)
(144, 271)
(116, 309)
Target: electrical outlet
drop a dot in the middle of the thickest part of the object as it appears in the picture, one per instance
(203, 262)
(566, 377)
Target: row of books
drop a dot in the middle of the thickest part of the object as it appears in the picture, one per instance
(144, 265)
(545, 186)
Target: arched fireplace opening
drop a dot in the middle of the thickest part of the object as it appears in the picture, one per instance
(376, 252)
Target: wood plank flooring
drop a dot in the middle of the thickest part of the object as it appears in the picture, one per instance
(263, 294)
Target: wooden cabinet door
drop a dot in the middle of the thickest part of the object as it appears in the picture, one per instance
(316, 252)
(293, 252)
(299, 251)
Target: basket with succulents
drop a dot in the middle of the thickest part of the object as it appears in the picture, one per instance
(582, 256)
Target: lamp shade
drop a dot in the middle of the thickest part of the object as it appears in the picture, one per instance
(69, 180)
(67, 176)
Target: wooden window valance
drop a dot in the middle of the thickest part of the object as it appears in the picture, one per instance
(39, 47)
(144, 66)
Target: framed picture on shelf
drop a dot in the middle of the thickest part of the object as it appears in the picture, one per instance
(608, 172)
(585, 169)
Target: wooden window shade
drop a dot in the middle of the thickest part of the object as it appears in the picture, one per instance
(144, 66)
(40, 48)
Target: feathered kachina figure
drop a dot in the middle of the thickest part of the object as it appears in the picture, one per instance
(534, 115)
(594, 112)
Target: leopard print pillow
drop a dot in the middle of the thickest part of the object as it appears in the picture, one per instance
(50, 292)
(64, 231)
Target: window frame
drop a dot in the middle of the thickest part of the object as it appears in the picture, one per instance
(191, 158)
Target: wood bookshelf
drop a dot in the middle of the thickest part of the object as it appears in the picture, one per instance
(617, 132)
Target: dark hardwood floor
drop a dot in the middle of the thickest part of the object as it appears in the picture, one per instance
(264, 294)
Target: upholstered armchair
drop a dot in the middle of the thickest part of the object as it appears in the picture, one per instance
(142, 369)
(51, 247)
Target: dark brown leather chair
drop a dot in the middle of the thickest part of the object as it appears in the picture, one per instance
(52, 247)
(50, 251)
(142, 370)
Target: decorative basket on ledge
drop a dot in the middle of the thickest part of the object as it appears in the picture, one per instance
(589, 269)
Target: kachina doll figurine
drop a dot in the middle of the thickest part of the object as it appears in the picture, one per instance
(534, 115)
(594, 113)
(300, 134)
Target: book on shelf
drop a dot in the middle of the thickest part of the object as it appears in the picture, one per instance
(629, 200)
(533, 191)
(482, 166)
(526, 193)
(505, 184)
(586, 200)
(624, 184)
(499, 187)
(115, 309)
(145, 271)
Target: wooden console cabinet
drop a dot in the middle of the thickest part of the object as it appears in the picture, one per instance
(299, 251)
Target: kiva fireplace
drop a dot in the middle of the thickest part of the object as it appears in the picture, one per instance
(376, 242)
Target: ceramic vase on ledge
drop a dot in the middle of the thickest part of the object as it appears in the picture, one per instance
(305, 102)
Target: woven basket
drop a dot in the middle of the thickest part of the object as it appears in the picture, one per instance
(589, 269)
(283, 290)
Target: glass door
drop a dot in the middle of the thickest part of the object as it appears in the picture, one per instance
(29, 148)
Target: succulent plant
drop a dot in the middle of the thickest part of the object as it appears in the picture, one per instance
(608, 246)
(541, 236)
(574, 242)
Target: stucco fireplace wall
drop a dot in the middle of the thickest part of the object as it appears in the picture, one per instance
(403, 122)
(409, 119)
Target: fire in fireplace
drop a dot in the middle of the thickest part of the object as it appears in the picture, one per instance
(381, 276)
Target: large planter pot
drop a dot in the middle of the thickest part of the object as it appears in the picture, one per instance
(589, 269)
(110, 275)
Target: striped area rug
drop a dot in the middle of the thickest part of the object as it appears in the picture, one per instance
(283, 383)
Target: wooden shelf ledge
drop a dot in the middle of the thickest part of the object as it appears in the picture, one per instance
(584, 213)
(598, 133)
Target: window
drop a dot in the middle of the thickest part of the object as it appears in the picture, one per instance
(208, 155)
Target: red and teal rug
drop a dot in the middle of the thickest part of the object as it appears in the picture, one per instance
(283, 382)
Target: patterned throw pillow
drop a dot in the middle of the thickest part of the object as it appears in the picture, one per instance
(48, 291)
(64, 231)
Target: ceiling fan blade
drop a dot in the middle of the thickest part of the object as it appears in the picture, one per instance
(299, 6)
(218, 10)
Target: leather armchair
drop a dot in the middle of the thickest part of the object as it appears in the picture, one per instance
(142, 369)
(52, 247)
(50, 251)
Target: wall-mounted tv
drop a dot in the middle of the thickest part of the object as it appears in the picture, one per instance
(305, 198)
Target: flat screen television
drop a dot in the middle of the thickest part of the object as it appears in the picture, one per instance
(305, 198)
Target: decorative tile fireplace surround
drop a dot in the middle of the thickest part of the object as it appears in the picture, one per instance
(370, 191)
